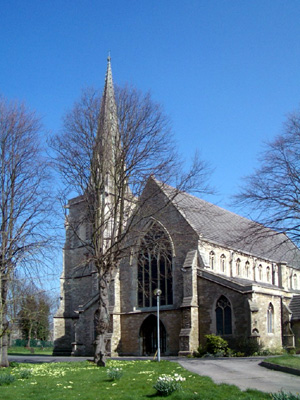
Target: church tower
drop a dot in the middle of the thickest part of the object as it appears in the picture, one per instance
(74, 323)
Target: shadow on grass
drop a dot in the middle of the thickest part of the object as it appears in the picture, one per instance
(29, 354)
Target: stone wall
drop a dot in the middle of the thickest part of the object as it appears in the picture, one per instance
(209, 293)
(131, 342)
(268, 339)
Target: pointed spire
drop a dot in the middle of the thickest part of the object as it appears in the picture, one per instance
(108, 112)
(107, 141)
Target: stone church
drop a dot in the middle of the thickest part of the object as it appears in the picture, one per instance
(217, 271)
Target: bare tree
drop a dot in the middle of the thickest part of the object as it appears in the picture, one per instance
(273, 191)
(106, 153)
(25, 201)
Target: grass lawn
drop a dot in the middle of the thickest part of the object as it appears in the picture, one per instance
(19, 351)
(83, 380)
(287, 361)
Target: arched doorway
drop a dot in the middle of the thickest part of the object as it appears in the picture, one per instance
(148, 336)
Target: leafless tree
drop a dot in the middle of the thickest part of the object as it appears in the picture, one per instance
(273, 191)
(107, 161)
(25, 201)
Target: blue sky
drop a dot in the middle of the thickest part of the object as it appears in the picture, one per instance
(226, 72)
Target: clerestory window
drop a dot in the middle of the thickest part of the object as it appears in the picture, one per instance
(247, 269)
(212, 260)
(238, 266)
(155, 268)
(223, 263)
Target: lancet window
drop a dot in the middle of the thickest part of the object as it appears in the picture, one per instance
(247, 269)
(295, 286)
(223, 263)
(260, 272)
(238, 266)
(212, 260)
(270, 318)
(155, 268)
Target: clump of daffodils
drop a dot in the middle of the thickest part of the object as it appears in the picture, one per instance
(114, 373)
(167, 384)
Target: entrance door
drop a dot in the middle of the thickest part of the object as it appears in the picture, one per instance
(148, 335)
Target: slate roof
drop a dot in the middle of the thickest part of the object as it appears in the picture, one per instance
(295, 307)
(227, 229)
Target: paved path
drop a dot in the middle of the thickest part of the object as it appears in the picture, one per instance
(242, 372)
(37, 359)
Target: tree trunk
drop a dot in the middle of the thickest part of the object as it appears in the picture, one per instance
(29, 334)
(3, 324)
(102, 323)
(4, 347)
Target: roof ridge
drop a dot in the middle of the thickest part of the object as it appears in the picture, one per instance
(230, 230)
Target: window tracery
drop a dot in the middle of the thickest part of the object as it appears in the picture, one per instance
(155, 268)
(223, 316)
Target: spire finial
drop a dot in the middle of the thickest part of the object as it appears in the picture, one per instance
(108, 57)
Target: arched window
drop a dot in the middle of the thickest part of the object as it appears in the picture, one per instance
(295, 281)
(223, 316)
(155, 268)
(212, 259)
(260, 272)
(268, 274)
(238, 266)
(274, 271)
(247, 269)
(270, 318)
(223, 263)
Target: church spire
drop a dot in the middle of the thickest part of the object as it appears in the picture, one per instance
(108, 111)
(108, 139)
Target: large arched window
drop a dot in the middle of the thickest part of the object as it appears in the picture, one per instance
(223, 316)
(270, 318)
(155, 268)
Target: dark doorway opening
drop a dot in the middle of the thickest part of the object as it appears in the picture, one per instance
(148, 335)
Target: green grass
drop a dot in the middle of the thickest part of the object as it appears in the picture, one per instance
(85, 381)
(287, 361)
(20, 351)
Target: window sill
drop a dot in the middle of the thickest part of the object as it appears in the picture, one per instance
(161, 308)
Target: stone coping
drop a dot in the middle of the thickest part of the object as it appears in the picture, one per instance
(281, 368)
